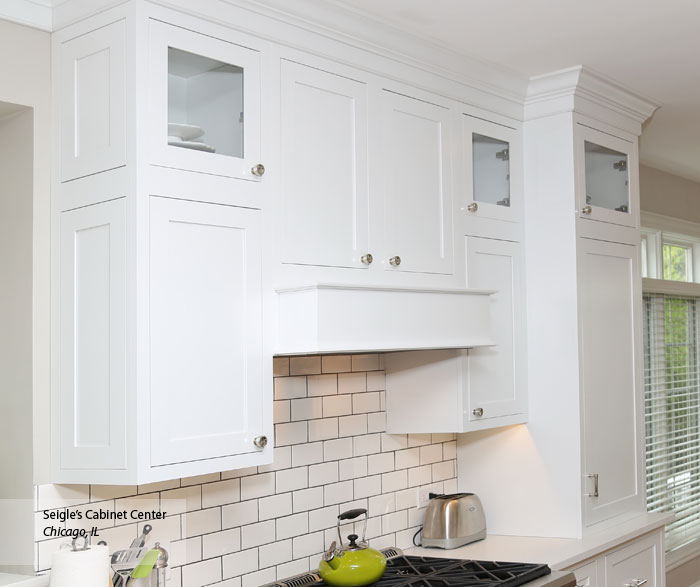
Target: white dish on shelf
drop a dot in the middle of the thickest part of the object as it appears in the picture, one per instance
(186, 132)
(192, 145)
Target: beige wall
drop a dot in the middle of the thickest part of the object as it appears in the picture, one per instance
(670, 195)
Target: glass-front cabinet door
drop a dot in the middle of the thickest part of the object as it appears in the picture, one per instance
(492, 163)
(205, 103)
(606, 177)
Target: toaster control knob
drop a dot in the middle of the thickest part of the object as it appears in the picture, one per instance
(478, 412)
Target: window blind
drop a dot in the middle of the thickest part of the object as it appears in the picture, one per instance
(672, 412)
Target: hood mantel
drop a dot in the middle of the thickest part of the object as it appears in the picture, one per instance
(324, 318)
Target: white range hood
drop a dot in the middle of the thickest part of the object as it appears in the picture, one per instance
(334, 318)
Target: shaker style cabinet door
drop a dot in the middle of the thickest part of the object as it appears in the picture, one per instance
(92, 98)
(205, 331)
(609, 316)
(323, 218)
(497, 373)
(204, 103)
(416, 171)
(89, 411)
(607, 175)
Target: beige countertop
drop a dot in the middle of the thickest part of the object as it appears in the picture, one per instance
(558, 553)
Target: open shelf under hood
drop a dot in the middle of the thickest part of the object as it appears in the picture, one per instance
(334, 318)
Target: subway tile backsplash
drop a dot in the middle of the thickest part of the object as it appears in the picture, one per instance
(249, 527)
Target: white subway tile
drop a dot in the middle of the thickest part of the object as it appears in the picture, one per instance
(365, 445)
(376, 422)
(443, 470)
(201, 522)
(442, 437)
(238, 473)
(336, 363)
(221, 543)
(386, 541)
(308, 544)
(407, 458)
(282, 411)
(394, 481)
(365, 402)
(175, 578)
(352, 382)
(323, 518)
(290, 433)
(290, 387)
(337, 492)
(352, 425)
(304, 365)
(102, 492)
(323, 474)
(323, 429)
(394, 522)
(257, 486)
(450, 485)
(307, 454)
(203, 573)
(178, 501)
(374, 528)
(275, 553)
(404, 538)
(275, 506)
(382, 462)
(355, 504)
(239, 514)
(290, 526)
(307, 408)
(376, 381)
(282, 459)
(393, 442)
(293, 568)
(148, 502)
(323, 385)
(431, 453)
(365, 362)
(280, 366)
(166, 530)
(406, 498)
(449, 450)
(292, 479)
(257, 534)
(200, 479)
(418, 440)
(382, 400)
(334, 450)
(337, 405)
(416, 516)
(352, 468)
(259, 578)
(60, 496)
(382, 504)
(239, 563)
(184, 552)
(367, 486)
(307, 499)
(420, 476)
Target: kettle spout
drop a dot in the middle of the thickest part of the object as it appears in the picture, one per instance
(331, 557)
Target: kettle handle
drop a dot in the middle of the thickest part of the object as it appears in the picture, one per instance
(351, 515)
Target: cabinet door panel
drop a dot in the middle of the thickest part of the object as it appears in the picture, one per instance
(496, 374)
(608, 315)
(324, 216)
(93, 102)
(642, 560)
(416, 148)
(90, 416)
(205, 320)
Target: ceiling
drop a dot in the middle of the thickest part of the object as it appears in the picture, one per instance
(651, 46)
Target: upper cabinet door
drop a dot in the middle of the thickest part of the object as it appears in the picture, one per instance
(492, 164)
(606, 177)
(93, 102)
(416, 147)
(323, 219)
(204, 103)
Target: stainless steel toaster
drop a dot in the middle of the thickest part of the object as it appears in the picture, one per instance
(453, 520)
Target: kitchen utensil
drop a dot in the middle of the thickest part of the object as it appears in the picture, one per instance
(145, 566)
(161, 566)
(140, 540)
(453, 520)
(354, 564)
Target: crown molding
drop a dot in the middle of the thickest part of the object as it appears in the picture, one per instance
(584, 90)
(37, 14)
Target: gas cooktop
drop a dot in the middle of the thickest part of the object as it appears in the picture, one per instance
(419, 571)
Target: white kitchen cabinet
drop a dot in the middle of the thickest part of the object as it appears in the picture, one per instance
(587, 574)
(324, 200)
(416, 151)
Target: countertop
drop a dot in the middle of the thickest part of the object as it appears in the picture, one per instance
(24, 580)
(558, 553)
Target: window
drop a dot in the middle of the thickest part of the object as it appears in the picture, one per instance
(677, 262)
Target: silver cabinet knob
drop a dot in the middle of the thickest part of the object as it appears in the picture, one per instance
(478, 412)
(473, 207)
(260, 441)
(367, 259)
(258, 170)
(587, 209)
(395, 261)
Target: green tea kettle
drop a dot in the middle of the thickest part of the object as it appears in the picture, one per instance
(355, 564)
